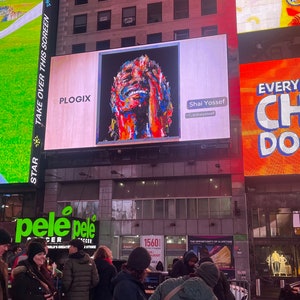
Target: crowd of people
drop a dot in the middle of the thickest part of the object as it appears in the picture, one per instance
(96, 278)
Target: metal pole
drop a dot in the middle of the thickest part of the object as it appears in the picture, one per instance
(257, 285)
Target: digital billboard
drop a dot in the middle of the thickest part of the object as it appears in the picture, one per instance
(266, 14)
(21, 27)
(270, 102)
(174, 91)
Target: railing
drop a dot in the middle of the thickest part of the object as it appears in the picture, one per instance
(240, 289)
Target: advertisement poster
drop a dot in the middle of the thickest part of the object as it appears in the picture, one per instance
(270, 117)
(155, 245)
(218, 248)
(145, 94)
(266, 14)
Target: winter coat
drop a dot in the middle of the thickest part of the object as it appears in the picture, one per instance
(222, 288)
(106, 271)
(27, 285)
(194, 288)
(3, 280)
(80, 275)
(126, 287)
(181, 267)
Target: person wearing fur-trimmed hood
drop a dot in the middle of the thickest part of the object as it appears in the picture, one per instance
(31, 279)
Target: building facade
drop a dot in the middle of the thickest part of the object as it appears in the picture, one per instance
(172, 190)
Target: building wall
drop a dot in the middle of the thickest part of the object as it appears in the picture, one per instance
(210, 159)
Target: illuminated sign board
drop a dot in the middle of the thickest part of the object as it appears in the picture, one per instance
(59, 230)
(270, 93)
(266, 14)
(20, 32)
(175, 91)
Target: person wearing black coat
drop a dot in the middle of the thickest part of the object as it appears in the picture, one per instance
(222, 288)
(107, 271)
(184, 266)
(128, 284)
(32, 280)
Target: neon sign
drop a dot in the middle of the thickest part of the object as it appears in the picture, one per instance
(53, 226)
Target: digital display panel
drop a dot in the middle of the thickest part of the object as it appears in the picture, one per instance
(175, 91)
(20, 27)
(270, 102)
(266, 14)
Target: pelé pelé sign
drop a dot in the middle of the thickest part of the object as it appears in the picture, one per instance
(64, 226)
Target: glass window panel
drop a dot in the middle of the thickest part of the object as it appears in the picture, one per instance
(180, 208)
(192, 208)
(203, 208)
(139, 209)
(81, 209)
(214, 207)
(128, 16)
(181, 9)
(147, 209)
(170, 212)
(104, 20)
(128, 41)
(284, 221)
(208, 7)
(225, 207)
(154, 12)
(158, 209)
(154, 38)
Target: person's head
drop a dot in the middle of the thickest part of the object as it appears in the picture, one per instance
(138, 261)
(103, 252)
(42, 241)
(190, 258)
(5, 240)
(36, 254)
(209, 272)
(75, 246)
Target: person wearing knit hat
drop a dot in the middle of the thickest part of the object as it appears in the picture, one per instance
(128, 284)
(209, 272)
(222, 288)
(77, 243)
(5, 240)
(31, 277)
(80, 274)
(193, 287)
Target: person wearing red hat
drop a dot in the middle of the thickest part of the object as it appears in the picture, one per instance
(5, 240)
(128, 284)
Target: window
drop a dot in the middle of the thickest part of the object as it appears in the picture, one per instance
(128, 41)
(208, 7)
(104, 20)
(80, 23)
(78, 48)
(81, 208)
(10, 207)
(209, 30)
(78, 2)
(154, 12)
(154, 38)
(181, 34)
(128, 16)
(103, 45)
(181, 9)
(171, 209)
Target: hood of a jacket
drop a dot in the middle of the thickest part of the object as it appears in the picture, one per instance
(18, 270)
(81, 256)
(123, 275)
(189, 255)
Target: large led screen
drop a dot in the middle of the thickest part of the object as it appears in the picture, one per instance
(175, 91)
(270, 101)
(266, 14)
(20, 27)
